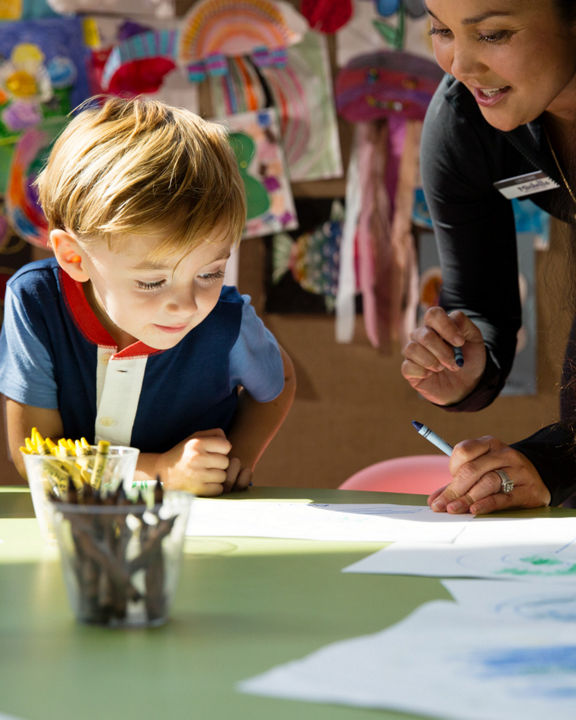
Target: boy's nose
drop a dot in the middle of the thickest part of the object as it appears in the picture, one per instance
(183, 302)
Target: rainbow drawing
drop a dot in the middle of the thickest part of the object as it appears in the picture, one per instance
(236, 27)
(22, 210)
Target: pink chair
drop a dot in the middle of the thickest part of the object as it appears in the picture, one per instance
(420, 474)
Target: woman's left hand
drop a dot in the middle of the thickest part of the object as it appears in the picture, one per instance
(477, 488)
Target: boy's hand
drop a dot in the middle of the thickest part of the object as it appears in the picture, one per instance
(237, 477)
(199, 464)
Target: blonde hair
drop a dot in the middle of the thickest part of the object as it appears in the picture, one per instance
(127, 165)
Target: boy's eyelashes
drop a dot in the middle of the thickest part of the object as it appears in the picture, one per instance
(156, 284)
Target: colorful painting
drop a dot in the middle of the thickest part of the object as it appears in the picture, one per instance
(255, 138)
(303, 266)
(301, 92)
(42, 73)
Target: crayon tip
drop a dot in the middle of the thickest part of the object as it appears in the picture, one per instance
(458, 356)
(417, 425)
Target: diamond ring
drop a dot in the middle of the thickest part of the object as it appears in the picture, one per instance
(507, 485)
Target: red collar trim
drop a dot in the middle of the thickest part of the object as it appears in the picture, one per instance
(88, 323)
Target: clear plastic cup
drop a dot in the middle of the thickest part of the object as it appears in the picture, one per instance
(121, 562)
(49, 474)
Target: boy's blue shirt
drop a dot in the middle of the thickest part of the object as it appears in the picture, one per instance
(54, 353)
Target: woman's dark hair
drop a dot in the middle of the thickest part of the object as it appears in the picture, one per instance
(567, 9)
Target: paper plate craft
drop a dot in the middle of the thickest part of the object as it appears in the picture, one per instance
(389, 83)
(215, 29)
(140, 63)
(22, 209)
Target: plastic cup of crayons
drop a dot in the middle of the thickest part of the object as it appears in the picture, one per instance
(121, 553)
(49, 473)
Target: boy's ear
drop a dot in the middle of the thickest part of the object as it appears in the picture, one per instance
(68, 254)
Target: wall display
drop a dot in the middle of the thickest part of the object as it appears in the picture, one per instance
(255, 138)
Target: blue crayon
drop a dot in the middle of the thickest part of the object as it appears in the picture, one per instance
(458, 356)
(431, 436)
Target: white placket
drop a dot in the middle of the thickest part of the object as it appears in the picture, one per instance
(119, 384)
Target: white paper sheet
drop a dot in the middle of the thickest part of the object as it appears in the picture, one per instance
(509, 600)
(517, 549)
(444, 661)
(315, 521)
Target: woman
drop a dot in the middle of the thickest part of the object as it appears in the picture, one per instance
(500, 125)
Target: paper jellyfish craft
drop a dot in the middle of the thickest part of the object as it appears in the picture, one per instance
(384, 84)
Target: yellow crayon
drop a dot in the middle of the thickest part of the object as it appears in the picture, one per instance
(100, 463)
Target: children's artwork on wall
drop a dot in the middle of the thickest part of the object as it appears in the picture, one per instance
(42, 73)
(303, 266)
(255, 138)
(158, 8)
(43, 77)
(327, 16)
(386, 94)
(301, 92)
(139, 63)
(386, 83)
(398, 25)
(216, 29)
(25, 9)
(24, 214)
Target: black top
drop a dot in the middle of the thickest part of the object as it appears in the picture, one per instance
(462, 156)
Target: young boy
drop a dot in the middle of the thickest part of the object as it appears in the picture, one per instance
(128, 333)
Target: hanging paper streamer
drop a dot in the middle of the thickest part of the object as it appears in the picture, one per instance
(24, 214)
(140, 63)
(216, 28)
(255, 139)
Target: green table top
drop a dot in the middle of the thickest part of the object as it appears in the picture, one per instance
(243, 605)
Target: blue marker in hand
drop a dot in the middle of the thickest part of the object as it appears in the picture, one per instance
(458, 356)
(431, 436)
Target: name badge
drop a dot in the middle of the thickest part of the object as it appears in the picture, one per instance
(527, 184)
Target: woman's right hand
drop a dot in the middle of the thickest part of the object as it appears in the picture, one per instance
(429, 365)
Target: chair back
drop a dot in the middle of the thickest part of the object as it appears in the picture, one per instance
(419, 474)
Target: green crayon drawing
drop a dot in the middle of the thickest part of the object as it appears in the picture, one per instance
(540, 565)
(257, 198)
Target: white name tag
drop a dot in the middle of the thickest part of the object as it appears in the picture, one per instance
(527, 184)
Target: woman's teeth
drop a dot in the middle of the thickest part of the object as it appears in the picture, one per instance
(490, 92)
